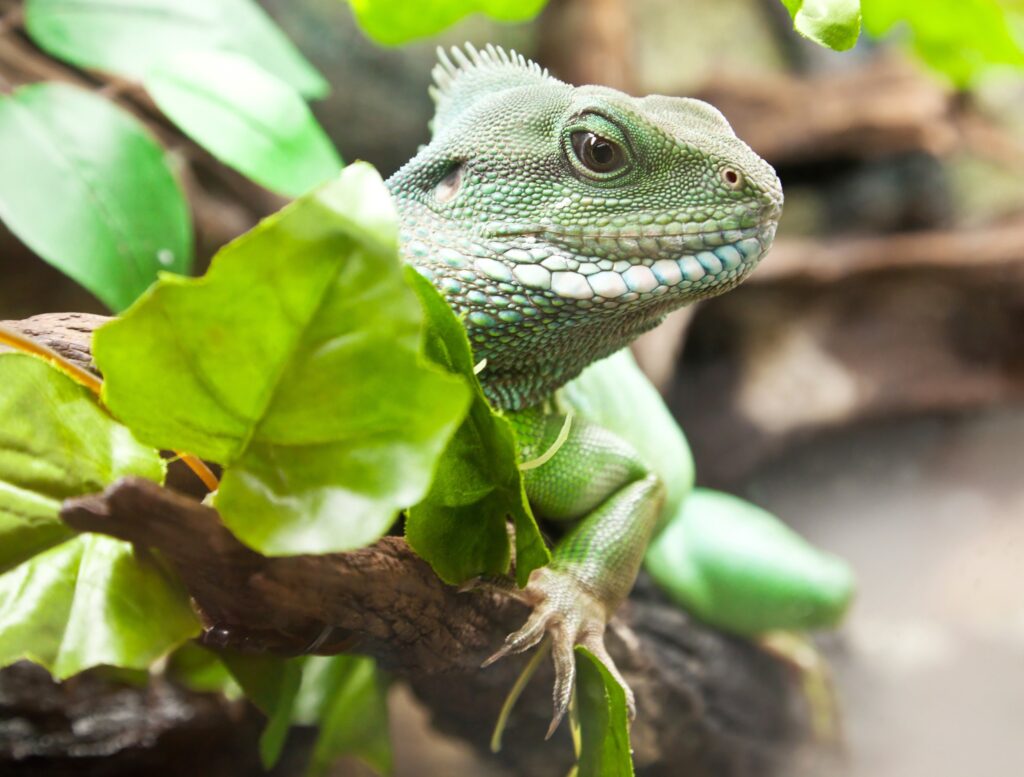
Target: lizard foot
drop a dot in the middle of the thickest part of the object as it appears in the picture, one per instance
(563, 608)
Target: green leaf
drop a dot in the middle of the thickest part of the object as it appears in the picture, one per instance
(396, 21)
(102, 205)
(202, 670)
(272, 684)
(91, 601)
(130, 38)
(345, 697)
(737, 567)
(962, 39)
(342, 695)
(834, 24)
(247, 118)
(604, 720)
(295, 362)
(459, 527)
(71, 604)
(615, 394)
(55, 443)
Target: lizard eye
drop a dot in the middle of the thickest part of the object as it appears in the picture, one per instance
(596, 153)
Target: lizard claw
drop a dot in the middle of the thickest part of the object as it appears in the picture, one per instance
(572, 616)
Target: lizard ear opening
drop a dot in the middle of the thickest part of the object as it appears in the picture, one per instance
(468, 75)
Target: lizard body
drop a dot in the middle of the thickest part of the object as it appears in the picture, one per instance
(561, 222)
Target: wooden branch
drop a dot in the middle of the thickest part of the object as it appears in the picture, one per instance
(709, 704)
(993, 247)
(884, 107)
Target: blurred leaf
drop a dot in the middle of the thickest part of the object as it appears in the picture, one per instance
(959, 38)
(202, 670)
(296, 363)
(345, 697)
(396, 21)
(90, 191)
(604, 720)
(459, 527)
(55, 442)
(247, 118)
(737, 567)
(130, 38)
(91, 601)
(615, 394)
(272, 684)
(834, 24)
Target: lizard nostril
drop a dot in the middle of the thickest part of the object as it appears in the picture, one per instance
(733, 178)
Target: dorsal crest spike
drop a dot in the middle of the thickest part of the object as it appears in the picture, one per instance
(463, 74)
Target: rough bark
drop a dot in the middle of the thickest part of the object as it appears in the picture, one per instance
(709, 704)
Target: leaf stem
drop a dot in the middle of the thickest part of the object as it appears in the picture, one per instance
(515, 692)
(83, 377)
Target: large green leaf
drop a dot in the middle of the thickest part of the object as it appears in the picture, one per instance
(296, 363)
(87, 188)
(834, 24)
(615, 394)
(248, 118)
(129, 37)
(55, 442)
(345, 697)
(604, 720)
(89, 602)
(396, 21)
(962, 39)
(739, 568)
(459, 527)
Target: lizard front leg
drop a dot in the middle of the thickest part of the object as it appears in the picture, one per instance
(598, 481)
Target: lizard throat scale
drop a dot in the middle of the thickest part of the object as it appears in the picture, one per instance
(562, 222)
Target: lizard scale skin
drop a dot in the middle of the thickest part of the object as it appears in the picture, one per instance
(555, 259)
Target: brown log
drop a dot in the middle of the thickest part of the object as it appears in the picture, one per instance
(886, 107)
(709, 704)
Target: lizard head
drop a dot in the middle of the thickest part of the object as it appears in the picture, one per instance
(564, 221)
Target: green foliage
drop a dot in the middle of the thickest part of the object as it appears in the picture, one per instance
(604, 721)
(55, 443)
(737, 567)
(834, 24)
(130, 38)
(90, 191)
(249, 119)
(397, 21)
(963, 39)
(614, 393)
(71, 603)
(272, 684)
(344, 696)
(295, 363)
(459, 527)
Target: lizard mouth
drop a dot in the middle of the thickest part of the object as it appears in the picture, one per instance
(615, 267)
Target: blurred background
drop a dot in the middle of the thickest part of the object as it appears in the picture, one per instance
(866, 384)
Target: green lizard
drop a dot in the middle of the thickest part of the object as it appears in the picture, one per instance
(561, 222)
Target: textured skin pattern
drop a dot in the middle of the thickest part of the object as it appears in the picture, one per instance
(553, 265)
